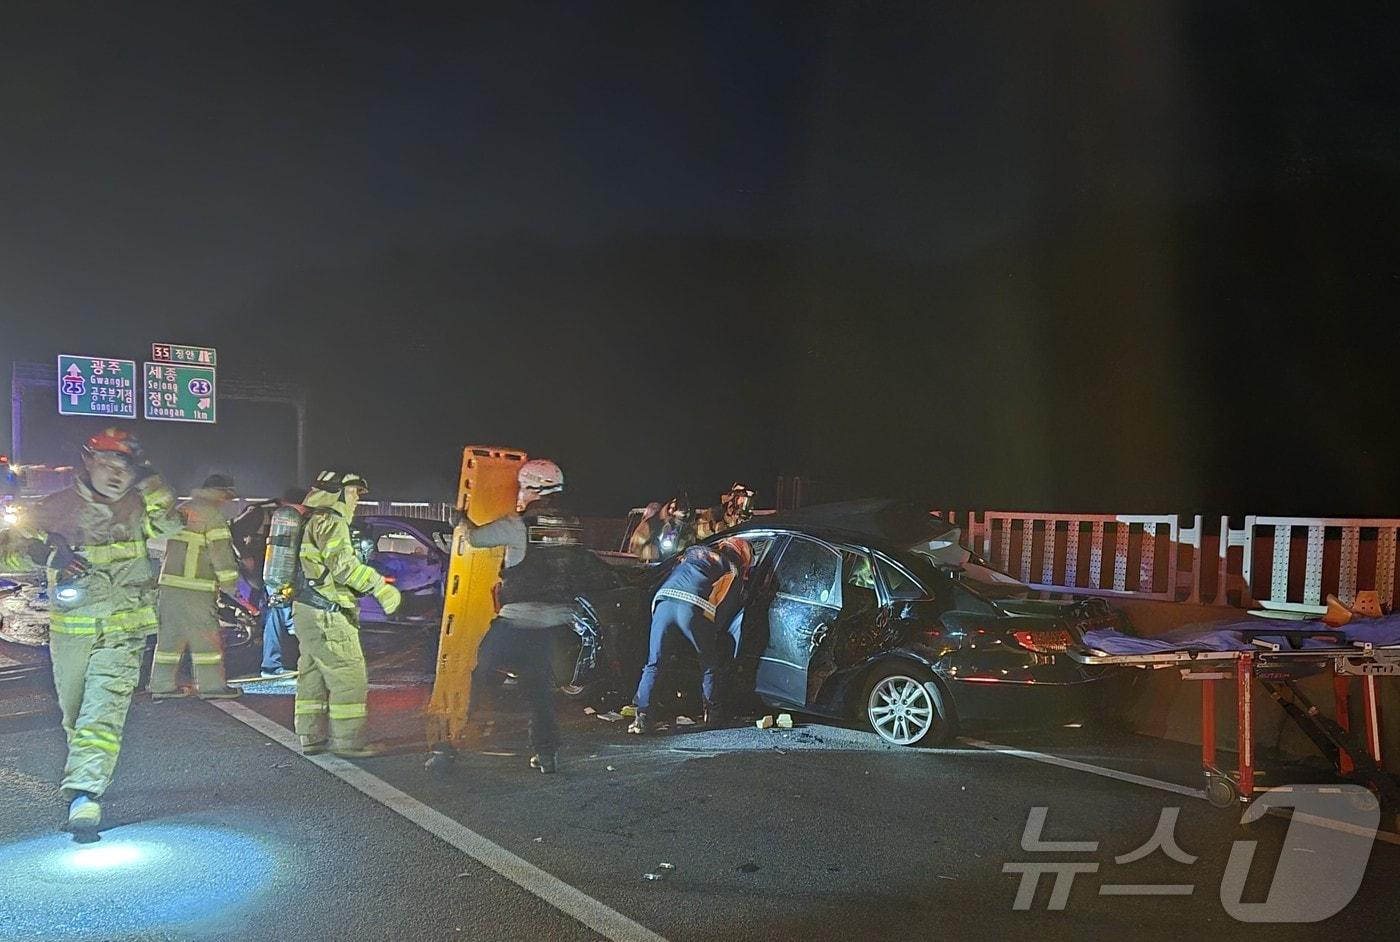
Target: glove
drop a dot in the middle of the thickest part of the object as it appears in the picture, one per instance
(388, 598)
(59, 556)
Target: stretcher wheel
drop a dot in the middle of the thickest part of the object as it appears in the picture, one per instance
(1380, 790)
(1221, 792)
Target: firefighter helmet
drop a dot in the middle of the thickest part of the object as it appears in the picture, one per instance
(337, 481)
(541, 476)
(114, 441)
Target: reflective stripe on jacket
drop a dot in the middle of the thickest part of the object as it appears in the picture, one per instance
(703, 578)
(201, 556)
(328, 559)
(117, 593)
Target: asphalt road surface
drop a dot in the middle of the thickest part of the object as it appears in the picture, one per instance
(216, 830)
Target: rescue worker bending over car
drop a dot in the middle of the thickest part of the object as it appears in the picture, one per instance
(91, 539)
(198, 565)
(332, 683)
(546, 567)
(698, 601)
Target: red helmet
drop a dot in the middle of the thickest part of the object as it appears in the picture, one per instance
(114, 441)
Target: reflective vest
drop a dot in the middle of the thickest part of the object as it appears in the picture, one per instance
(200, 557)
(552, 572)
(703, 578)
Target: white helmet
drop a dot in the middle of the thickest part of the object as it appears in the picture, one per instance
(541, 476)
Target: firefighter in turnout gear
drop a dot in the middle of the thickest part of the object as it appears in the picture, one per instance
(546, 566)
(734, 508)
(332, 684)
(91, 539)
(198, 565)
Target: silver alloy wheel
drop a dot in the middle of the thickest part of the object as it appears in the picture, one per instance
(901, 709)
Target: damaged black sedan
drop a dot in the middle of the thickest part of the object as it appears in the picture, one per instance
(873, 611)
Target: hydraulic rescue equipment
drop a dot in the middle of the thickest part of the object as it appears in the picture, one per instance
(487, 490)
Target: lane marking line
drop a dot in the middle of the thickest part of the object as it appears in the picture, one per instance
(1091, 769)
(1332, 825)
(1385, 837)
(602, 919)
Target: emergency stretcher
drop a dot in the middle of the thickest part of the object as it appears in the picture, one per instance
(1277, 657)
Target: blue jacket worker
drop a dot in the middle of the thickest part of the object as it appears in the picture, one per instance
(697, 602)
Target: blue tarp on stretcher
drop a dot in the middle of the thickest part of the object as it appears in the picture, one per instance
(1240, 635)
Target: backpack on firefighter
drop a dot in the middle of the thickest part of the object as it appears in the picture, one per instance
(283, 579)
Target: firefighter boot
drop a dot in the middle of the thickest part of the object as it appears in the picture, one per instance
(84, 817)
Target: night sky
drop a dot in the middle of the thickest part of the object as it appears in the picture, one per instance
(1096, 257)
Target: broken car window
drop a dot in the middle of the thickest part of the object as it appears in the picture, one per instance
(811, 572)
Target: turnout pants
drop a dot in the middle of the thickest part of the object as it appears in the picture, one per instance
(526, 653)
(188, 622)
(95, 676)
(671, 622)
(332, 686)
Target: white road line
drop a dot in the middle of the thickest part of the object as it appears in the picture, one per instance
(603, 920)
(1091, 769)
(1316, 821)
(1385, 837)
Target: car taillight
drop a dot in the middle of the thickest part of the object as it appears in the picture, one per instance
(1044, 642)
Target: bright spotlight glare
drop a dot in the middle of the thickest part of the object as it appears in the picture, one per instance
(104, 857)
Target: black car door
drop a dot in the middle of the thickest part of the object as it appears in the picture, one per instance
(802, 600)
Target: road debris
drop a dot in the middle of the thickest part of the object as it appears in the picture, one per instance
(610, 716)
(684, 721)
(628, 710)
(589, 711)
(749, 867)
(662, 871)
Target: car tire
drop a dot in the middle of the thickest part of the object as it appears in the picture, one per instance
(906, 706)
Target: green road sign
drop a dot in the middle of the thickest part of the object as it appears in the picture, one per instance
(96, 386)
(179, 393)
(182, 353)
